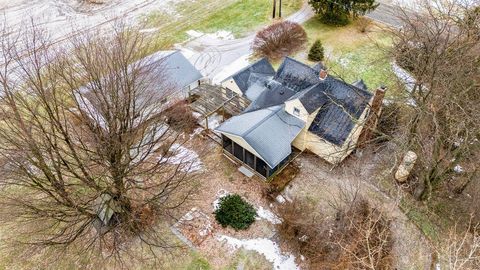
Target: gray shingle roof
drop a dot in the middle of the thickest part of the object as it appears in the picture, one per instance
(269, 131)
(341, 105)
(273, 94)
(261, 70)
(181, 72)
(360, 84)
(296, 75)
(332, 124)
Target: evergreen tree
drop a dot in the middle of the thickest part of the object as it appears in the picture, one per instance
(338, 11)
(316, 52)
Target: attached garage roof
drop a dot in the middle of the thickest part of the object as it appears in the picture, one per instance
(269, 131)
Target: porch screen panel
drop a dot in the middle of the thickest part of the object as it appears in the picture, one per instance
(261, 167)
(238, 151)
(227, 144)
(249, 159)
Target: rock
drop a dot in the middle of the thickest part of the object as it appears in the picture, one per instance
(406, 166)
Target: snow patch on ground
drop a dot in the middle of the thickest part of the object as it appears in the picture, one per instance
(266, 247)
(220, 194)
(404, 76)
(194, 33)
(223, 35)
(186, 158)
(214, 121)
(62, 18)
(268, 215)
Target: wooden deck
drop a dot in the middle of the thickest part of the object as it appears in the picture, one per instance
(209, 99)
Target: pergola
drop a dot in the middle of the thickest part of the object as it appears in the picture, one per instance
(210, 99)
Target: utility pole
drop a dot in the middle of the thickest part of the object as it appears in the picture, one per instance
(280, 9)
(274, 8)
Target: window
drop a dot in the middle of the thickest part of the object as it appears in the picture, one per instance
(296, 111)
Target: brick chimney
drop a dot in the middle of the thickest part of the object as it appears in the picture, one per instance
(373, 116)
(322, 75)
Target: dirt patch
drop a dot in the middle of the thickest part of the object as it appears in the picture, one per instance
(218, 176)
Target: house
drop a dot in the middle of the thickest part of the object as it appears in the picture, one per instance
(296, 106)
(181, 75)
(169, 77)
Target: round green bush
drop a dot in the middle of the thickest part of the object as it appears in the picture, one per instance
(235, 212)
(316, 51)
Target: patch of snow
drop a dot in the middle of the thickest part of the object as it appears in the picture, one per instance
(406, 78)
(280, 199)
(231, 69)
(65, 17)
(186, 158)
(196, 115)
(458, 169)
(196, 132)
(194, 33)
(223, 35)
(149, 30)
(344, 61)
(214, 121)
(266, 214)
(220, 194)
(267, 248)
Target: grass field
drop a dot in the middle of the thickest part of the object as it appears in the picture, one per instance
(237, 16)
(352, 55)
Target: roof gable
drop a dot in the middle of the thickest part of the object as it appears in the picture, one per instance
(296, 75)
(269, 131)
(176, 69)
(258, 71)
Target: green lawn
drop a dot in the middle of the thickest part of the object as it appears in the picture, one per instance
(237, 16)
(245, 15)
(352, 55)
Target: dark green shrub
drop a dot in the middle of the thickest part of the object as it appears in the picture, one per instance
(235, 212)
(316, 52)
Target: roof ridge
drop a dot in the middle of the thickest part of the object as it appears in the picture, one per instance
(298, 62)
(272, 112)
(251, 65)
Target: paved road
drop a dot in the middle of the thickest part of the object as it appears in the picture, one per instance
(386, 14)
(217, 59)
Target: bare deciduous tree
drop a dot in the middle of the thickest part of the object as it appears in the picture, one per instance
(358, 237)
(86, 152)
(440, 47)
(279, 40)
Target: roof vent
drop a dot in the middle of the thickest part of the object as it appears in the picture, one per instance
(322, 75)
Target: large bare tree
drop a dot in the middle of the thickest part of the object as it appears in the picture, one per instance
(440, 47)
(88, 163)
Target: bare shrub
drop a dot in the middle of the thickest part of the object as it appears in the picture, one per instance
(180, 117)
(359, 236)
(460, 250)
(363, 24)
(279, 40)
